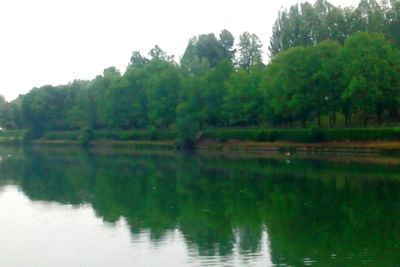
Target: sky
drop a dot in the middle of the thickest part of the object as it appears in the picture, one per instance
(56, 41)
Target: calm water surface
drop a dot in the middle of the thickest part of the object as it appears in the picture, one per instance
(113, 208)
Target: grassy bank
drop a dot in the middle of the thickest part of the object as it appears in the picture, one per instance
(343, 139)
(129, 144)
(312, 135)
(116, 135)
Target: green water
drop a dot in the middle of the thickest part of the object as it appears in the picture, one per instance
(117, 208)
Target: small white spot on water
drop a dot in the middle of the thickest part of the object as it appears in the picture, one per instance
(308, 261)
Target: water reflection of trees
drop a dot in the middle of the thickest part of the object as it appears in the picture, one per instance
(311, 208)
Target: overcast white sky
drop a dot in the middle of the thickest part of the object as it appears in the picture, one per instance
(57, 41)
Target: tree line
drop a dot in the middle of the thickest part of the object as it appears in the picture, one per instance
(329, 66)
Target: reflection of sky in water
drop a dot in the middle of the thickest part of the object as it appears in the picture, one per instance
(50, 234)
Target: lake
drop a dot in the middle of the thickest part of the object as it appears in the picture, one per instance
(70, 207)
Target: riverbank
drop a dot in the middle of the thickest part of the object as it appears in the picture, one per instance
(353, 140)
(168, 145)
(372, 147)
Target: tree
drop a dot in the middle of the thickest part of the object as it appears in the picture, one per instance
(162, 83)
(43, 108)
(371, 73)
(212, 94)
(7, 119)
(369, 16)
(157, 53)
(393, 23)
(97, 96)
(298, 26)
(241, 99)
(191, 62)
(82, 112)
(289, 86)
(336, 24)
(308, 25)
(122, 113)
(250, 53)
(280, 40)
(310, 30)
(227, 41)
(206, 51)
(129, 101)
(137, 60)
(187, 124)
(327, 80)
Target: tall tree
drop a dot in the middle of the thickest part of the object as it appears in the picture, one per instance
(288, 86)
(326, 82)
(7, 120)
(306, 24)
(156, 53)
(97, 93)
(393, 22)
(241, 98)
(44, 109)
(162, 87)
(250, 53)
(137, 60)
(206, 51)
(280, 39)
(212, 94)
(82, 112)
(371, 73)
(370, 16)
(227, 41)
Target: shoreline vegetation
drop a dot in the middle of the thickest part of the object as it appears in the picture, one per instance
(333, 80)
(360, 140)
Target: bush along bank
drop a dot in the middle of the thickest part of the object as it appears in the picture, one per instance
(311, 135)
(87, 137)
(321, 136)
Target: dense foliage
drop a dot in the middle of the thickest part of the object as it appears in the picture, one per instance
(306, 24)
(330, 67)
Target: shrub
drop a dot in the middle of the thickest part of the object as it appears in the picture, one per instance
(135, 135)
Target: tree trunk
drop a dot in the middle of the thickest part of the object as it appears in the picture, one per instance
(347, 119)
(379, 117)
(319, 119)
(332, 119)
(365, 120)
